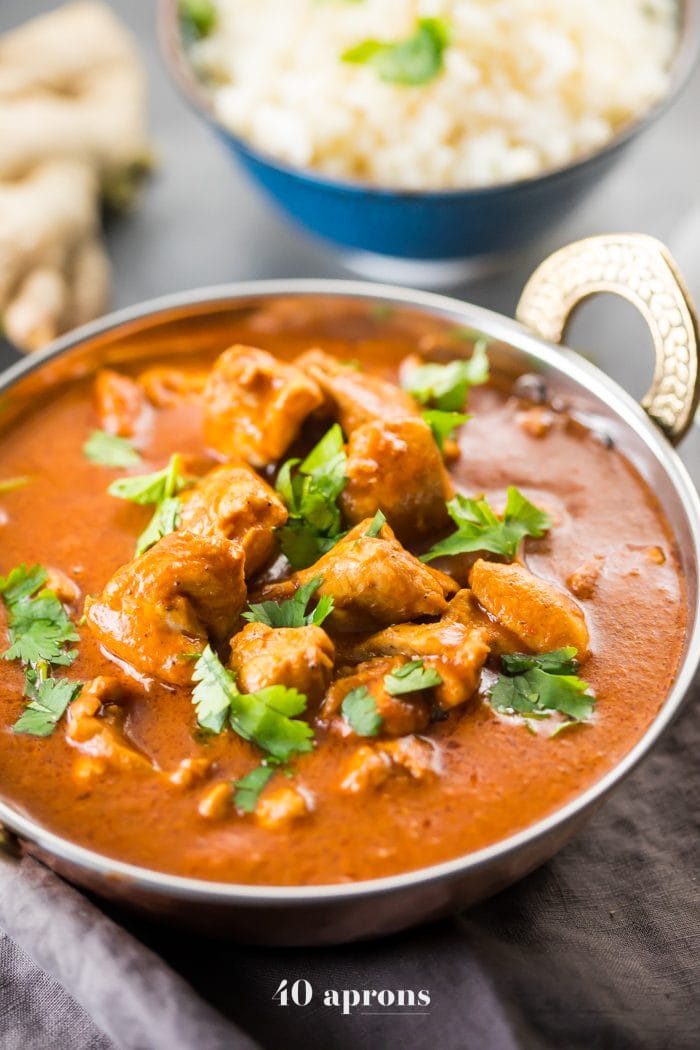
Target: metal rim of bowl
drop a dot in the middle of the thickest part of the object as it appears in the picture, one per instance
(180, 68)
(498, 327)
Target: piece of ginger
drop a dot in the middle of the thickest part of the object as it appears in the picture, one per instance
(72, 134)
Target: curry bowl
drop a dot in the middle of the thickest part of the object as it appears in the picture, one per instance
(388, 863)
(387, 233)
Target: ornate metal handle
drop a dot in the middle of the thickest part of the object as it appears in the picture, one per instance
(640, 269)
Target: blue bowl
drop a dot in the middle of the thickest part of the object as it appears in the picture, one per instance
(421, 225)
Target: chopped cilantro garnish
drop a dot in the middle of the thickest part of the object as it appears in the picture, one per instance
(411, 678)
(480, 529)
(416, 60)
(39, 630)
(443, 424)
(310, 489)
(198, 16)
(360, 711)
(247, 790)
(48, 703)
(161, 488)
(38, 625)
(12, 484)
(538, 686)
(292, 613)
(110, 450)
(446, 387)
(266, 718)
(377, 524)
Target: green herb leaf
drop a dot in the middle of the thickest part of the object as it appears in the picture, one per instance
(110, 450)
(151, 488)
(414, 61)
(247, 790)
(377, 524)
(447, 386)
(292, 613)
(166, 519)
(541, 685)
(266, 717)
(443, 424)
(38, 625)
(480, 529)
(559, 661)
(411, 678)
(360, 711)
(48, 704)
(198, 16)
(22, 582)
(310, 490)
(12, 484)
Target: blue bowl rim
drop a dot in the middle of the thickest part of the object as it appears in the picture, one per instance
(180, 68)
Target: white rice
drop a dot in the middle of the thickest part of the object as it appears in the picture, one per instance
(527, 85)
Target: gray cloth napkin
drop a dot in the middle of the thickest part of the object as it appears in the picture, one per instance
(599, 949)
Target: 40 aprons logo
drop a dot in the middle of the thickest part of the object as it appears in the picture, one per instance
(366, 1000)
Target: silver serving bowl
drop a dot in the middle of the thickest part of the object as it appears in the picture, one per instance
(634, 266)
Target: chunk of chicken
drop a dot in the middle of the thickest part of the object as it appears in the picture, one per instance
(537, 612)
(373, 581)
(66, 590)
(95, 727)
(400, 714)
(279, 808)
(299, 657)
(159, 609)
(233, 502)
(121, 404)
(254, 405)
(394, 465)
(455, 651)
(354, 397)
(372, 765)
(166, 387)
(465, 609)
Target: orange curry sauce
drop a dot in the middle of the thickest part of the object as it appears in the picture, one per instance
(495, 777)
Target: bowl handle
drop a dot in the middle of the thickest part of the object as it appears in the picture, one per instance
(640, 269)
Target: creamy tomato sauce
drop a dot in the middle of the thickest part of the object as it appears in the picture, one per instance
(493, 776)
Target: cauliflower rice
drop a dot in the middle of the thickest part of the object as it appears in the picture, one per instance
(526, 85)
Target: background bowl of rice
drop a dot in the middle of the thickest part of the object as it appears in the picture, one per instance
(534, 103)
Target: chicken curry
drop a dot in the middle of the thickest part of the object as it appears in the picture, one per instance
(337, 602)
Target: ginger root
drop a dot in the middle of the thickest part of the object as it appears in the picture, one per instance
(72, 135)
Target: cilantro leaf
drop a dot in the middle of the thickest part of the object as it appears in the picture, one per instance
(292, 613)
(266, 717)
(413, 61)
(161, 488)
(559, 661)
(360, 711)
(410, 678)
(480, 529)
(49, 700)
(110, 450)
(541, 685)
(310, 489)
(38, 625)
(446, 387)
(151, 488)
(377, 524)
(443, 424)
(198, 16)
(22, 582)
(165, 520)
(247, 790)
